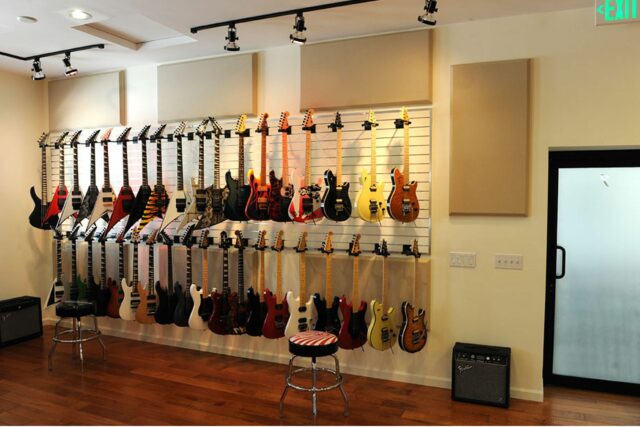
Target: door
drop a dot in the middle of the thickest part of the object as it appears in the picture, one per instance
(592, 322)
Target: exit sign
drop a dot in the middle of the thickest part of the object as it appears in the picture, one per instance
(616, 11)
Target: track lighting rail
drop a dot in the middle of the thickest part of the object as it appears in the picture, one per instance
(58, 52)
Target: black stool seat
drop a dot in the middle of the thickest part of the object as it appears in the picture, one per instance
(75, 309)
(313, 344)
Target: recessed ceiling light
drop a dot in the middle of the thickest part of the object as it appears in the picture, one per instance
(27, 19)
(79, 14)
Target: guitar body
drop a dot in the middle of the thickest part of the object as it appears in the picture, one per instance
(306, 205)
(370, 203)
(35, 218)
(238, 196)
(257, 207)
(156, 206)
(336, 204)
(256, 313)
(242, 317)
(103, 296)
(89, 291)
(328, 318)
(214, 211)
(138, 206)
(121, 208)
(181, 311)
(57, 203)
(403, 204)
(413, 332)
(88, 203)
(277, 316)
(71, 206)
(301, 319)
(165, 306)
(279, 199)
(219, 321)
(103, 205)
(381, 334)
(196, 321)
(177, 207)
(113, 306)
(145, 313)
(353, 332)
(125, 311)
(53, 292)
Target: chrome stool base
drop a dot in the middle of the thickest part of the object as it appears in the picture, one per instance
(79, 336)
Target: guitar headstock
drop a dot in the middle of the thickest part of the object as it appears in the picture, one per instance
(261, 243)
(217, 129)
(90, 234)
(203, 241)
(93, 137)
(43, 139)
(59, 142)
(179, 131)
(371, 121)
(381, 249)
(337, 123)
(327, 244)
(278, 245)
(283, 124)
(354, 246)
(307, 122)
(166, 239)
(241, 125)
(302, 243)
(241, 242)
(225, 241)
(135, 237)
(151, 238)
(412, 250)
(105, 136)
(186, 235)
(158, 134)
(263, 126)
(124, 135)
(403, 120)
(73, 141)
(202, 128)
(144, 133)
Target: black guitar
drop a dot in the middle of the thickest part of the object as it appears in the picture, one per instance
(89, 290)
(90, 197)
(40, 208)
(184, 302)
(206, 304)
(144, 192)
(215, 196)
(281, 189)
(238, 192)
(166, 297)
(328, 319)
(104, 293)
(255, 303)
(336, 204)
(243, 307)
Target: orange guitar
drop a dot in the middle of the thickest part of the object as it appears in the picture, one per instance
(258, 205)
(402, 203)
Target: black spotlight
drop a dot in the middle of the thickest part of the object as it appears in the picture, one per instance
(68, 69)
(298, 36)
(232, 37)
(36, 70)
(430, 9)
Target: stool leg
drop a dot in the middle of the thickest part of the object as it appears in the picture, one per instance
(95, 327)
(80, 342)
(339, 378)
(286, 385)
(314, 394)
(55, 344)
(75, 337)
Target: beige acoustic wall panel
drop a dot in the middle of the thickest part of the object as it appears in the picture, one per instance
(222, 87)
(489, 138)
(87, 101)
(382, 70)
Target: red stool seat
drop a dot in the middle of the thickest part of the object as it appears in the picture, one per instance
(313, 344)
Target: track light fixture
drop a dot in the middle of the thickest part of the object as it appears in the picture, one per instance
(430, 9)
(68, 69)
(298, 36)
(36, 70)
(232, 37)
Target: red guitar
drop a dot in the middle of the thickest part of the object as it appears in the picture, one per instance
(124, 202)
(60, 195)
(223, 320)
(258, 205)
(277, 316)
(353, 332)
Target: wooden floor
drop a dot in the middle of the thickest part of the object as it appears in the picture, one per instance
(143, 383)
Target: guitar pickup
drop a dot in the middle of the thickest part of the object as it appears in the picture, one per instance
(302, 310)
(77, 204)
(107, 199)
(263, 203)
(307, 205)
(181, 205)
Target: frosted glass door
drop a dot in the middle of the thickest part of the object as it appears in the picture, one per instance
(597, 310)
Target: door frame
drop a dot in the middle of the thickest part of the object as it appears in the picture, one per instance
(574, 159)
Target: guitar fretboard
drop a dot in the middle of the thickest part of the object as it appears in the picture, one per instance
(279, 275)
(329, 278)
(121, 261)
(125, 165)
(58, 259)
(374, 135)
(205, 273)
(307, 159)
(355, 296)
(103, 264)
(151, 280)
(263, 158)
(225, 271)
(188, 262)
(89, 259)
(44, 188)
(170, 268)
(303, 279)
(73, 289)
(93, 164)
(179, 160)
(240, 159)
(76, 178)
(158, 162)
(339, 156)
(405, 172)
(145, 171)
(261, 277)
(61, 169)
(105, 162)
(216, 162)
(285, 159)
(135, 263)
(385, 282)
(241, 275)
(200, 161)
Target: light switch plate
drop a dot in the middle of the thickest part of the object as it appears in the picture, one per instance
(509, 262)
(462, 259)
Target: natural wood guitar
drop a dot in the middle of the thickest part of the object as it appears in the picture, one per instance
(403, 204)
(381, 334)
(277, 313)
(257, 207)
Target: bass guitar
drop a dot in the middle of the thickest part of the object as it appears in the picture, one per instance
(402, 203)
(258, 204)
(158, 199)
(223, 320)
(166, 298)
(40, 208)
(353, 332)
(103, 205)
(131, 296)
(277, 315)
(243, 307)
(381, 334)
(90, 197)
(237, 192)
(124, 201)
(413, 332)
(306, 203)
(328, 319)
(73, 202)
(199, 201)
(202, 304)
(336, 204)
(281, 189)
(255, 296)
(215, 197)
(61, 192)
(146, 311)
(184, 303)
(301, 318)
(180, 198)
(370, 201)
(144, 191)
(106, 284)
(59, 292)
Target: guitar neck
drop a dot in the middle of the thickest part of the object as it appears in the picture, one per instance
(103, 264)
(307, 160)
(74, 261)
(374, 135)
(279, 276)
(241, 275)
(44, 187)
(261, 277)
(135, 263)
(158, 163)
(241, 160)
(58, 259)
(189, 272)
(180, 171)
(303, 279)
(92, 180)
(405, 172)
(76, 179)
(263, 158)
(89, 259)
(205, 273)
(329, 278)
(125, 164)
(145, 172)
(355, 296)
(170, 266)
(61, 161)
(105, 162)
(121, 260)
(151, 279)
(216, 162)
(415, 280)
(385, 282)
(339, 157)
(225, 271)
(201, 162)
(285, 159)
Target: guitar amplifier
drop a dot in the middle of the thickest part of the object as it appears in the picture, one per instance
(20, 320)
(481, 374)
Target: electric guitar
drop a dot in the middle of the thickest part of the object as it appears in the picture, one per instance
(199, 201)
(402, 203)
(381, 334)
(104, 293)
(37, 216)
(353, 332)
(166, 298)
(61, 192)
(215, 197)
(336, 204)
(126, 197)
(90, 197)
(255, 297)
(89, 289)
(131, 295)
(180, 198)
(144, 191)
(306, 203)
(281, 189)
(158, 199)
(258, 204)
(202, 304)
(243, 308)
(115, 286)
(146, 311)
(223, 320)
(104, 202)
(72, 204)
(277, 314)
(74, 285)
(328, 319)
(59, 292)
(413, 332)
(301, 318)
(184, 303)
(370, 202)
(238, 192)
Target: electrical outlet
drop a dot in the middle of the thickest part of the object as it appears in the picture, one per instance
(509, 262)
(462, 259)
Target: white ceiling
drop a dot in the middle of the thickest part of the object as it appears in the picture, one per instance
(166, 24)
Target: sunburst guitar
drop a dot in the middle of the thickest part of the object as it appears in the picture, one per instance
(381, 333)
(370, 202)
(403, 204)
(257, 207)
(413, 332)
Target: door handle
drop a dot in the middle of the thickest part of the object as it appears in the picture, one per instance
(563, 262)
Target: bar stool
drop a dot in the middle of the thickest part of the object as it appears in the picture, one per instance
(76, 310)
(314, 344)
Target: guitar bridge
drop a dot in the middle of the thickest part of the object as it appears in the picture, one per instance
(263, 203)
(181, 205)
(416, 337)
(339, 206)
(406, 207)
(386, 334)
(373, 207)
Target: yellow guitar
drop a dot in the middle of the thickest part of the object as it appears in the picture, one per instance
(381, 334)
(370, 201)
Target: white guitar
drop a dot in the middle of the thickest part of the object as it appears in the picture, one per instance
(131, 298)
(180, 198)
(106, 197)
(74, 198)
(301, 317)
(199, 202)
(202, 304)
